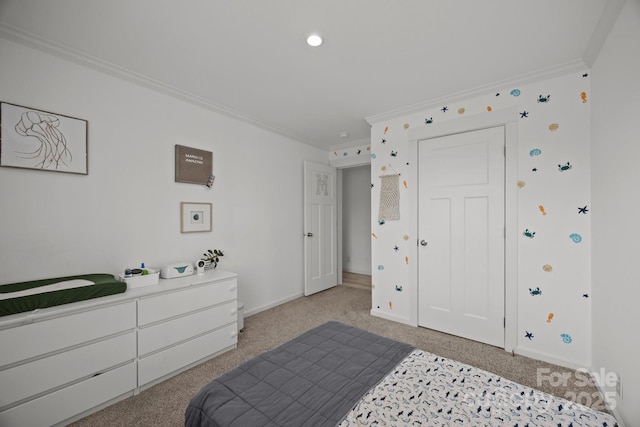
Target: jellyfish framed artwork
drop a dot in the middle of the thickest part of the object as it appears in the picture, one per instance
(195, 217)
(41, 140)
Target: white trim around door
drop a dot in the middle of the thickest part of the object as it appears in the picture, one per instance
(509, 119)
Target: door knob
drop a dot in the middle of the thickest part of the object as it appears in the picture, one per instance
(309, 234)
(423, 242)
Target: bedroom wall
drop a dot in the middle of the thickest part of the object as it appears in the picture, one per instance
(126, 211)
(553, 130)
(356, 206)
(615, 177)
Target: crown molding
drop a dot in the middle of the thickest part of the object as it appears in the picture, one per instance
(72, 55)
(570, 67)
(350, 144)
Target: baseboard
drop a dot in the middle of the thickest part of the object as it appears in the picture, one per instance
(358, 271)
(572, 364)
(387, 316)
(618, 417)
(257, 310)
(603, 391)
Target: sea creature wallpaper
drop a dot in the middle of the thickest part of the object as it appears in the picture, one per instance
(553, 211)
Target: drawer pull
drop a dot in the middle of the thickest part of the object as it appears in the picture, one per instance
(233, 333)
(233, 288)
(233, 311)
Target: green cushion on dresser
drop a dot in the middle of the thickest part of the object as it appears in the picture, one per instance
(101, 285)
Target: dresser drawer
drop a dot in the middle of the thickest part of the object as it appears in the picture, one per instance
(63, 368)
(165, 306)
(35, 339)
(68, 402)
(179, 329)
(172, 359)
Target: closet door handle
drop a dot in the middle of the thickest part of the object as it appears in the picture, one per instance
(423, 242)
(309, 235)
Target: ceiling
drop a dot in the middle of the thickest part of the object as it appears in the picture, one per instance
(249, 59)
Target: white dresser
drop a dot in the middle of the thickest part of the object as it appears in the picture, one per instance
(62, 363)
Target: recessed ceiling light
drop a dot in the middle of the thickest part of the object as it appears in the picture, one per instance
(314, 40)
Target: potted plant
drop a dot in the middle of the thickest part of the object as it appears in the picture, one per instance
(211, 257)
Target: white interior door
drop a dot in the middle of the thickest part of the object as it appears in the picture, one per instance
(320, 228)
(461, 235)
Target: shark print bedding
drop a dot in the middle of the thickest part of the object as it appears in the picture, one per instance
(427, 390)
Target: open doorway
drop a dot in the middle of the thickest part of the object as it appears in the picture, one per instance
(355, 231)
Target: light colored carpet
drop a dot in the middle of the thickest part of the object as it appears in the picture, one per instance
(165, 403)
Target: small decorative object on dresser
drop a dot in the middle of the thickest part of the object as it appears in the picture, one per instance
(200, 266)
(211, 257)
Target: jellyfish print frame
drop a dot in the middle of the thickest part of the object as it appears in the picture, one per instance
(41, 140)
(195, 217)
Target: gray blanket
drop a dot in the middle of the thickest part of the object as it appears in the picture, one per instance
(313, 380)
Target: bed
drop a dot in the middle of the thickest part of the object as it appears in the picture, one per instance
(38, 294)
(336, 374)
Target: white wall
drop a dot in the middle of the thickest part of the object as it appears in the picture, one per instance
(126, 211)
(356, 211)
(559, 320)
(616, 203)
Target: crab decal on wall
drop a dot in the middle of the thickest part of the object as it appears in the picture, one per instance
(544, 98)
(566, 167)
(535, 291)
(529, 234)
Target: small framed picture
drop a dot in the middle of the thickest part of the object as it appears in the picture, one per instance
(195, 217)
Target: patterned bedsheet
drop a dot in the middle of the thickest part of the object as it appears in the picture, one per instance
(427, 390)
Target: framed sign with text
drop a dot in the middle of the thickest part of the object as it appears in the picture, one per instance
(193, 166)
